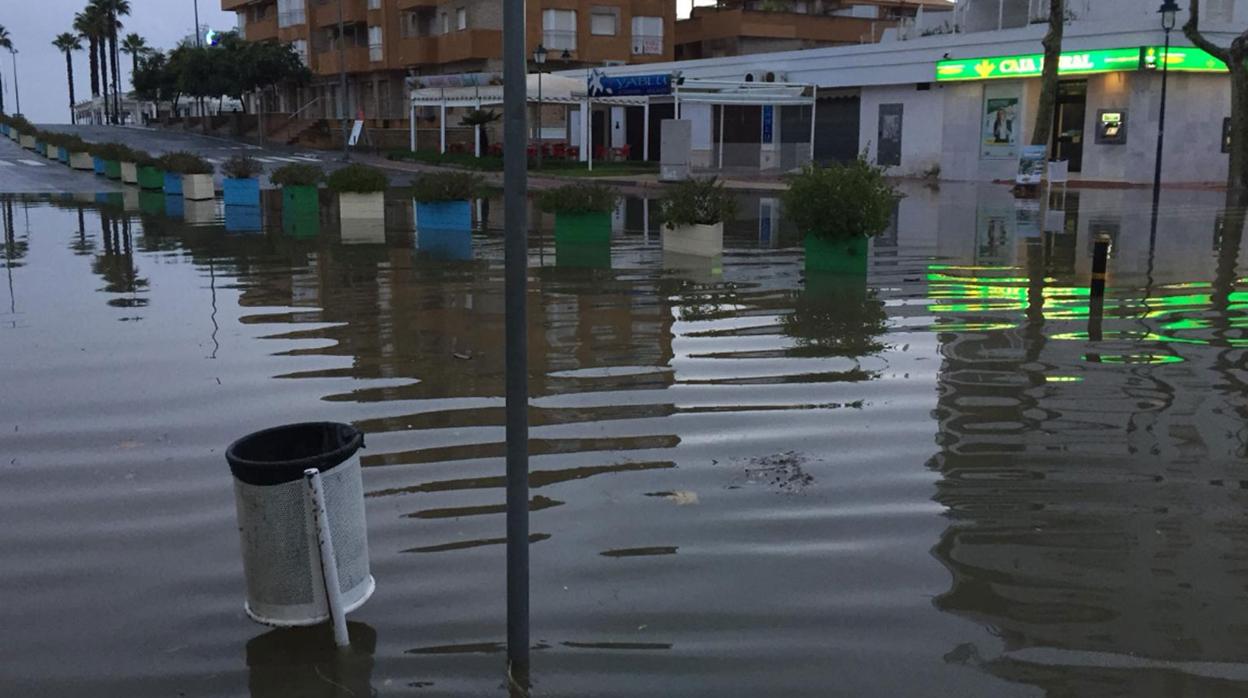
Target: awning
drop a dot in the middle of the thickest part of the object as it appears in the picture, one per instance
(744, 93)
(555, 89)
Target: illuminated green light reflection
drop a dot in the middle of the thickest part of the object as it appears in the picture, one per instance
(1149, 359)
(1063, 379)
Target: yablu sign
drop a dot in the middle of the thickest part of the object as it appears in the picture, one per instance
(602, 85)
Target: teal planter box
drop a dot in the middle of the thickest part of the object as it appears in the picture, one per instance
(152, 202)
(441, 243)
(241, 192)
(97, 164)
(151, 179)
(112, 169)
(444, 215)
(173, 183)
(583, 228)
(301, 200)
(301, 224)
(841, 256)
(243, 219)
(4, 129)
(41, 148)
(62, 155)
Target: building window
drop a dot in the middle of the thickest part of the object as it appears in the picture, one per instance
(604, 21)
(647, 36)
(446, 23)
(242, 23)
(374, 4)
(461, 18)
(301, 48)
(559, 30)
(290, 13)
(374, 44)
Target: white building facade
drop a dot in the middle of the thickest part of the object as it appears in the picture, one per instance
(954, 94)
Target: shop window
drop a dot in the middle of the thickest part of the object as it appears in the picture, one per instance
(375, 53)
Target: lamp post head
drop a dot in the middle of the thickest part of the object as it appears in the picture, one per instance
(539, 55)
(1169, 12)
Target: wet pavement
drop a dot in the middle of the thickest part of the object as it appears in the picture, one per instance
(961, 475)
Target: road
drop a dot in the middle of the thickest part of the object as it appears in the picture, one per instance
(23, 172)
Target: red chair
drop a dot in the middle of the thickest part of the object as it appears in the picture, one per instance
(559, 151)
(574, 152)
(622, 152)
(600, 153)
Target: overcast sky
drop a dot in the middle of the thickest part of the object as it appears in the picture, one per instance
(41, 69)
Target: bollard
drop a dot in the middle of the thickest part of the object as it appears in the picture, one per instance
(300, 504)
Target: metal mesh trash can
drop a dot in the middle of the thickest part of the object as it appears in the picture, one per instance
(277, 520)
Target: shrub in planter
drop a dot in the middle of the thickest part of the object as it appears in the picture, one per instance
(443, 201)
(195, 172)
(130, 162)
(151, 177)
(241, 186)
(693, 213)
(838, 208)
(361, 191)
(111, 154)
(582, 211)
(299, 188)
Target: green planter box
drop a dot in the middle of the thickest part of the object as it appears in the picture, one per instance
(151, 179)
(583, 228)
(152, 202)
(842, 256)
(112, 169)
(301, 201)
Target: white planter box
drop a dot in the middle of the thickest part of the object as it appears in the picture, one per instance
(699, 240)
(362, 206)
(199, 212)
(130, 199)
(27, 142)
(129, 173)
(198, 187)
(361, 231)
(51, 153)
(81, 161)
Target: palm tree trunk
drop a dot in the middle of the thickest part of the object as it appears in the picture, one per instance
(104, 77)
(116, 71)
(95, 66)
(1, 95)
(69, 75)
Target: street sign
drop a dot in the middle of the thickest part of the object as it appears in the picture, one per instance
(1032, 65)
(355, 132)
(603, 85)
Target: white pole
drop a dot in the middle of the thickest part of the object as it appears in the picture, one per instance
(645, 132)
(814, 101)
(721, 136)
(584, 130)
(412, 126)
(1000, 15)
(589, 142)
(442, 124)
(325, 553)
(476, 146)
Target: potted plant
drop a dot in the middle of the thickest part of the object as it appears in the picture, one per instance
(130, 160)
(361, 192)
(151, 178)
(299, 188)
(582, 211)
(443, 201)
(195, 173)
(241, 187)
(110, 154)
(693, 215)
(838, 208)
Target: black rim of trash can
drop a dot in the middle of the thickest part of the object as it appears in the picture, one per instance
(279, 455)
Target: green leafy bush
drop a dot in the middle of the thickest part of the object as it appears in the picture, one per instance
(841, 200)
(447, 186)
(297, 176)
(358, 179)
(115, 152)
(581, 197)
(697, 202)
(241, 167)
(184, 164)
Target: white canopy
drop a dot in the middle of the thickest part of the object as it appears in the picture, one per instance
(744, 93)
(555, 89)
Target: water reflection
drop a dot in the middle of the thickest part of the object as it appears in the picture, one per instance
(304, 662)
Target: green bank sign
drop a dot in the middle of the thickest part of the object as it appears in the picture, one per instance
(1032, 65)
(1182, 59)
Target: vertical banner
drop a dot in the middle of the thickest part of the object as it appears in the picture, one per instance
(769, 124)
(888, 153)
(1001, 122)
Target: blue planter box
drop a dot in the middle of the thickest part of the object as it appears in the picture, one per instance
(98, 165)
(448, 215)
(242, 219)
(62, 155)
(175, 207)
(4, 129)
(442, 243)
(173, 183)
(241, 192)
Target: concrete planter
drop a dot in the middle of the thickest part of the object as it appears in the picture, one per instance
(353, 206)
(151, 179)
(81, 161)
(243, 219)
(301, 201)
(363, 231)
(97, 164)
(443, 243)
(129, 173)
(241, 192)
(199, 212)
(41, 148)
(840, 256)
(301, 223)
(700, 240)
(583, 228)
(443, 215)
(130, 200)
(62, 155)
(112, 169)
(173, 183)
(198, 187)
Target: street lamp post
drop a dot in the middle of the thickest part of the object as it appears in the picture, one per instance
(539, 57)
(1169, 10)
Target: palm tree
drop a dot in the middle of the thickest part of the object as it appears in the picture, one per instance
(93, 20)
(67, 43)
(115, 9)
(84, 24)
(6, 42)
(136, 47)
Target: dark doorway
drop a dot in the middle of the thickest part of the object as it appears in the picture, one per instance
(601, 124)
(836, 129)
(743, 127)
(1068, 119)
(634, 130)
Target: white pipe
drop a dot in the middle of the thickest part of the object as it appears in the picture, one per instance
(589, 141)
(645, 132)
(721, 136)
(325, 555)
(442, 123)
(412, 126)
(584, 116)
(814, 101)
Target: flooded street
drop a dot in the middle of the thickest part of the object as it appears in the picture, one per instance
(959, 476)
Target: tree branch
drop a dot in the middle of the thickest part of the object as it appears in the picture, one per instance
(1192, 31)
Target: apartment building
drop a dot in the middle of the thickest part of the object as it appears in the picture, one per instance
(741, 27)
(383, 42)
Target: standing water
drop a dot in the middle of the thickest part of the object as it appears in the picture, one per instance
(958, 476)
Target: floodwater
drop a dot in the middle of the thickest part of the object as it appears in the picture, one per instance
(959, 476)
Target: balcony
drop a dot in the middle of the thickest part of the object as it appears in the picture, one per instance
(357, 61)
(470, 44)
(353, 12)
(233, 5)
(709, 23)
(262, 30)
(417, 50)
(414, 4)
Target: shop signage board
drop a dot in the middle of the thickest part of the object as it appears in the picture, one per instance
(1183, 59)
(1032, 65)
(602, 85)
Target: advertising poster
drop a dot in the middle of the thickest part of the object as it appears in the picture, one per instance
(1001, 122)
(889, 152)
(994, 243)
(1031, 165)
